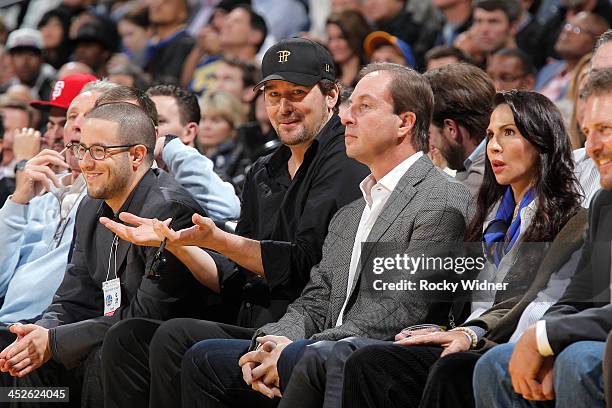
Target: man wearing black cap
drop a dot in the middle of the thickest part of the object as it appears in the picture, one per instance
(288, 200)
(407, 204)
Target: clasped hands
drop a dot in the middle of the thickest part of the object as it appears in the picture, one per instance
(532, 374)
(259, 367)
(29, 351)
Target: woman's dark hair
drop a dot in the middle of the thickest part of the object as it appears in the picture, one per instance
(556, 188)
(58, 56)
(61, 14)
(355, 29)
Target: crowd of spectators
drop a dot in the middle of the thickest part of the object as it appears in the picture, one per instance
(202, 46)
(189, 189)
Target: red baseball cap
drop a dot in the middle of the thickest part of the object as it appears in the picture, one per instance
(64, 91)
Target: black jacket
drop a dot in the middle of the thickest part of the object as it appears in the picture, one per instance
(167, 58)
(405, 28)
(76, 315)
(290, 218)
(584, 311)
(7, 187)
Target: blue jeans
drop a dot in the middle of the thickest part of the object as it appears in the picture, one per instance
(577, 378)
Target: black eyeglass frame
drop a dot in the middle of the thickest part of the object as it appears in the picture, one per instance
(75, 146)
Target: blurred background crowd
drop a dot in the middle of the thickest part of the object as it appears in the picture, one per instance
(199, 59)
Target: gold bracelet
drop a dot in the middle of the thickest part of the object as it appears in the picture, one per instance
(470, 333)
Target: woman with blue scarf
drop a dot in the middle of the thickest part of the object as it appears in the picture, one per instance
(529, 193)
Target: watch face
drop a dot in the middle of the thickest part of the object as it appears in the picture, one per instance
(21, 165)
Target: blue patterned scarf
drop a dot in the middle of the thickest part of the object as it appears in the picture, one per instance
(503, 228)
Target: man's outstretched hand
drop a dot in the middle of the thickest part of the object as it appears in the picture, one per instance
(151, 232)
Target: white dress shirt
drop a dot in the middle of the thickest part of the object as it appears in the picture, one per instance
(542, 342)
(557, 283)
(587, 175)
(376, 195)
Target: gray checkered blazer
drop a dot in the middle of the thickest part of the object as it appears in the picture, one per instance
(425, 206)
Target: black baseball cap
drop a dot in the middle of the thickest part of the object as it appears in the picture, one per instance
(297, 60)
(98, 31)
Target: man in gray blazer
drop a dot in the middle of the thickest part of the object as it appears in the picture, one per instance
(408, 204)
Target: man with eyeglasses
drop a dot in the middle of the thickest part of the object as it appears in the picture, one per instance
(105, 279)
(511, 68)
(288, 200)
(36, 227)
(64, 91)
(575, 40)
(28, 140)
(97, 152)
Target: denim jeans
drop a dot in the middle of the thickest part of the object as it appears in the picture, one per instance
(577, 378)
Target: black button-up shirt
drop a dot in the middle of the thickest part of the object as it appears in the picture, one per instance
(290, 218)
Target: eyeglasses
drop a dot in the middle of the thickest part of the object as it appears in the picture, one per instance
(97, 152)
(569, 27)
